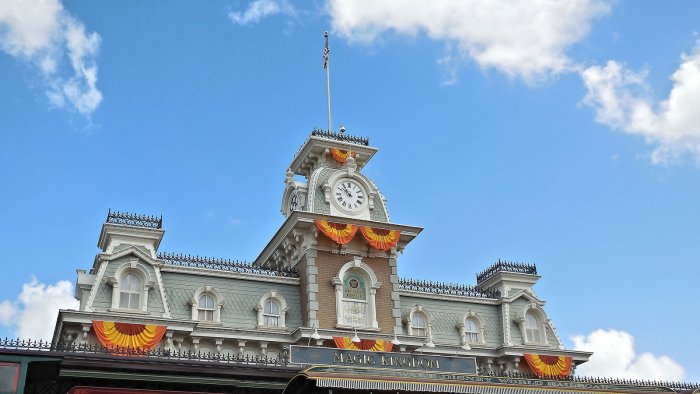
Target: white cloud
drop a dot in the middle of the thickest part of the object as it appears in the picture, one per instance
(614, 356)
(521, 38)
(34, 313)
(259, 9)
(7, 312)
(622, 100)
(44, 34)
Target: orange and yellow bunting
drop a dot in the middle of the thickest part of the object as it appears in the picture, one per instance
(128, 336)
(338, 232)
(341, 155)
(364, 344)
(380, 238)
(549, 366)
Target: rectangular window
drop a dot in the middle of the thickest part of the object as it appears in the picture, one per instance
(206, 315)
(272, 321)
(355, 313)
(532, 335)
(9, 377)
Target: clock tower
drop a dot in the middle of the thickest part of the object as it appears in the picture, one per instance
(338, 236)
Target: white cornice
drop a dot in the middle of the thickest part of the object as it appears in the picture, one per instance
(316, 146)
(305, 221)
(448, 297)
(229, 274)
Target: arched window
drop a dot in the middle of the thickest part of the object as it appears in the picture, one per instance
(271, 313)
(532, 328)
(130, 291)
(271, 310)
(205, 308)
(419, 322)
(130, 286)
(355, 292)
(354, 300)
(418, 325)
(206, 305)
(471, 331)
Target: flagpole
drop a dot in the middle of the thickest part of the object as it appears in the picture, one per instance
(326, 65)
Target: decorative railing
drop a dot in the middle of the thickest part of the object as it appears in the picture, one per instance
(425, 286)
(282, 360)
(505, 266)
(340, 137)
(224, 265)
(131, 219)
(69, 349)
(679, 387)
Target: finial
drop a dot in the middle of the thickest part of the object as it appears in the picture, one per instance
(342, 129)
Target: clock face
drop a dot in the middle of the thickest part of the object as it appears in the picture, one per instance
(349, 196)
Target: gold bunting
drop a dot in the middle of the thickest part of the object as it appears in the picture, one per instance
(338, 232)
(380, 238)
(128, 336)
(340, 155)
(378, 345)
(549, 366)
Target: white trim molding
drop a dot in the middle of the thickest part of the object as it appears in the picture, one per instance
(218, 303)
(283, 308)
(360, 268)
(140, 270)
(542, 322)
(480, 326)
(420, 310)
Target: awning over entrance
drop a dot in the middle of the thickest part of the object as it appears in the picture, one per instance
(324, 379)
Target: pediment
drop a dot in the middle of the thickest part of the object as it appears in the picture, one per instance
(526, 295)
(134, 251)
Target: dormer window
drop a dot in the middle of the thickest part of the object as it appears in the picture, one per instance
(130, 291)
(206, 305)
(418, 325)
(271, 310)
(271, 314)
(205, 308)
(130, 286)
(471, 331)
(532, 329)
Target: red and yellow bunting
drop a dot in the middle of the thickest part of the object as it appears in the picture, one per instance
(549, 366)
(364, 344)
(341, 155)
(338, 232)
(128, 336)
(380, 238)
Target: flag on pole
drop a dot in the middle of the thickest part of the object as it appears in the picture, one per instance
(326, 51)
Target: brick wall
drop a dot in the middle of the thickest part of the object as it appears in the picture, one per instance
(328, 266)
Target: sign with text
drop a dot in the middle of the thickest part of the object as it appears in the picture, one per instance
(385, 360)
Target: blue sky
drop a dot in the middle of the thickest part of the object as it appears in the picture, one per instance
(564, 134)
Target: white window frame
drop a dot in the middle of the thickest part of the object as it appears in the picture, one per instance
(371, 285)
(480, 328)
(283, 308)
(538, 314)
(141, 271)
(218, 303)
(427, 318)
